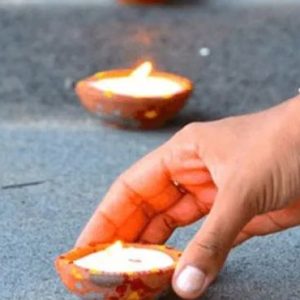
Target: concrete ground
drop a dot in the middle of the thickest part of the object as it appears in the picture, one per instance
(57, 161)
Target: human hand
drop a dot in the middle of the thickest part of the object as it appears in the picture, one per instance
(242, 172)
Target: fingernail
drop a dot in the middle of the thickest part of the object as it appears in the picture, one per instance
(190, 281)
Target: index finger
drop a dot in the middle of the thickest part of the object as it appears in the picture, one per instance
(140, 193)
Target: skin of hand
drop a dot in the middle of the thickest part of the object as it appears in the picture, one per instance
(242, 173)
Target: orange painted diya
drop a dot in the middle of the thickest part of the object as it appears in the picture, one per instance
(88, 283)
(140, 98)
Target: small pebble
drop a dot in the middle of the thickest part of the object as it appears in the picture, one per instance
(69, 83)
(204, 51)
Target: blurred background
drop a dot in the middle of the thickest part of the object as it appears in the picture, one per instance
(57, 160)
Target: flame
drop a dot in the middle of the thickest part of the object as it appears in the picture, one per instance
(142, 71)
(115, 248)
(139, 83)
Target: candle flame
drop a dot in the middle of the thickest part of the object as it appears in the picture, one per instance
(139, 83)
(115, 248)
(142, 71)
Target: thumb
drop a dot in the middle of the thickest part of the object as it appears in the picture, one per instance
(206, 253)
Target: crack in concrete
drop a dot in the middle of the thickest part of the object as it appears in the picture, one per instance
(22, 185)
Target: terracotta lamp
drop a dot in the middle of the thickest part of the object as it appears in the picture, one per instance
(140, 98)
(118, 271)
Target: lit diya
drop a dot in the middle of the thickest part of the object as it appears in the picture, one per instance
(140, 98)
(118, 271)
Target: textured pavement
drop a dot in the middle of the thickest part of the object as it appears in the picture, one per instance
(69, 158)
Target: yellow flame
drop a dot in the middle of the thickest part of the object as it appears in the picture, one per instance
(115, 248)
(143, 70)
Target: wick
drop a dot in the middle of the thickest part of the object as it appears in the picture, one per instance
(135, 260)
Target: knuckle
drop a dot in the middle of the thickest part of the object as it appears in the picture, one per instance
(211, 246)
(187, 133)
(169, 222)
(191, 127)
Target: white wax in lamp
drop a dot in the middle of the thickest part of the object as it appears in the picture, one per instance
(139, 83)
(117, 258)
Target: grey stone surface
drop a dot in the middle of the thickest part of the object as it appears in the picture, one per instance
(48, 139)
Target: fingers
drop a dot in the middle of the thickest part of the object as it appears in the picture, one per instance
(139, 194)
(227, 225)
(184, 212)
(206, 253)
(270, 223)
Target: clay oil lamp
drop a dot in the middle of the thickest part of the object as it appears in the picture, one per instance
(139, 98)
(118, 271)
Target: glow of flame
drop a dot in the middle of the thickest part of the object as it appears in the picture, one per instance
(140, 83)
(115, 248)
(142, 71)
